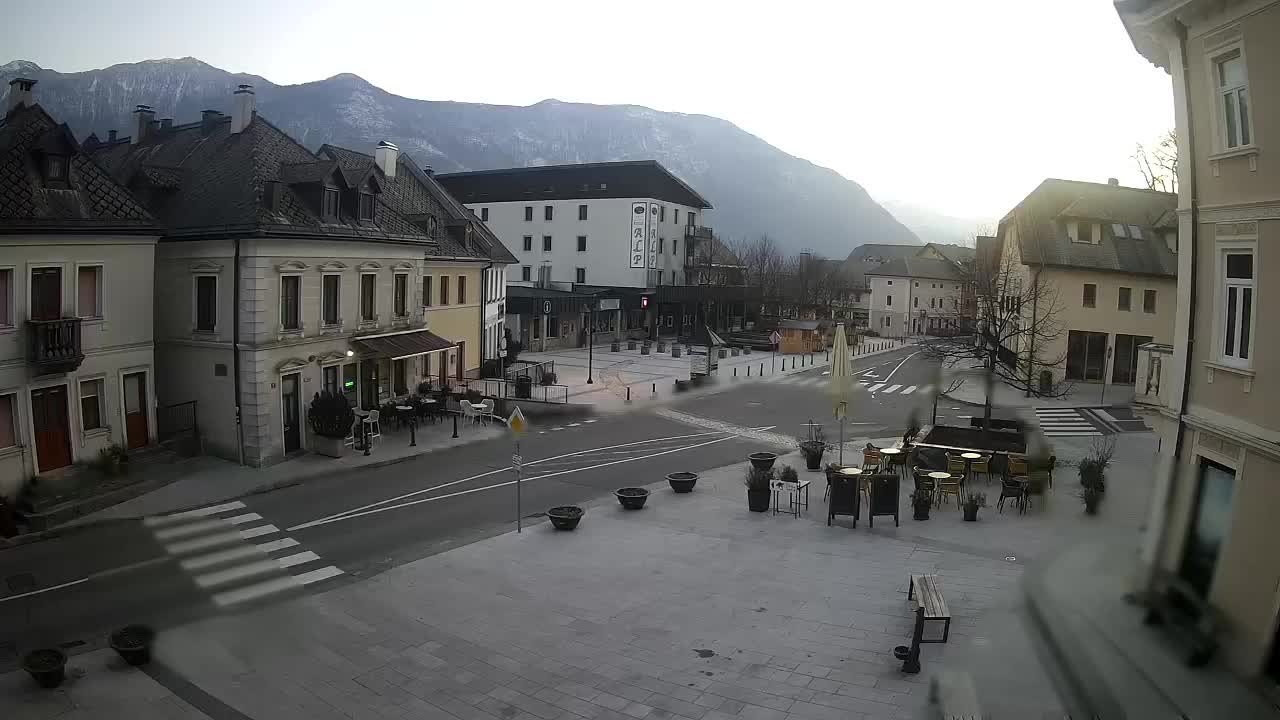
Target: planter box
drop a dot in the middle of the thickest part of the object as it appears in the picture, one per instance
(327, 446)
(662, 346)
(631, 344)
(644, 349)
(614, 347)
(675, 352)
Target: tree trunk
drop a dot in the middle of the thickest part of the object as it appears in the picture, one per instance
(990, 382)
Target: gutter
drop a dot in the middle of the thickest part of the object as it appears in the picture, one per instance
(235, 345)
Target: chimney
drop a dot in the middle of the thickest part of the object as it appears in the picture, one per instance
(386, 156)
(19, 93)
(208, 121)
(243, 109)
(142, 119)
(111, 136)
(1113, 182)
(166, 124)
(428, 170)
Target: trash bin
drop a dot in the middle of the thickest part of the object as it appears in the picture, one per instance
(524, 386)
(1046, 382)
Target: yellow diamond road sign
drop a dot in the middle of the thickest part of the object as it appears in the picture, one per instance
(517, 423)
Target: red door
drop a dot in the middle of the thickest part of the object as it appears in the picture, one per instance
(53, 432)
(135, 410)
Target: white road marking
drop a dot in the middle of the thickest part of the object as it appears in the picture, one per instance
(194, 528)
(275, 545)
(201, 562)
(44, 590)
(588, 421)
(323, 573)
(893, 389)
(160, 520)
(353, 515)
(237, 573)
(904, 361)
(205, 543)
(298, 559)
(495, 472)
(257, 590)
(910, 389)
(258, 531)
(876, 387)
(242, 519)
(574, 424)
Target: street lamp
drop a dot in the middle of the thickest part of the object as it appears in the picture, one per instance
(591, 335)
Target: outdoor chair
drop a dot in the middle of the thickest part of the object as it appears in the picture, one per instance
(350, 439)
(469, 411)
(1011, 489)
(981, 465)
(870, 460)
(951, 486)
(372, 425)
(486, 410)
(955, 465)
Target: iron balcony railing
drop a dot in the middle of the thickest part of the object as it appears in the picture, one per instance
(53, 346)
(694, 232)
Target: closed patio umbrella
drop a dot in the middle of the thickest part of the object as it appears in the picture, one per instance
(842, 384)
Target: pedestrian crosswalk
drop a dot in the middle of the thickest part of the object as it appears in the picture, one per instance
(235, 555)
(1065, 422)
(807, 380)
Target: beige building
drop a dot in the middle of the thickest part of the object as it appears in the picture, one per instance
(282, 272)
(1103, 260)
(1212, 394)
(924, 293)
(76, 353)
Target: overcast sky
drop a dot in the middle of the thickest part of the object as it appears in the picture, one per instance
(962, 107)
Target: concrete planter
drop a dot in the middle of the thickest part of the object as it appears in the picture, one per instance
(662, 346)
(631, 344)
(614, 347)
(736, 352)
(675, 352)
(328, 446)
(644, 349)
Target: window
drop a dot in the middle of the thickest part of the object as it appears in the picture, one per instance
(462, 289)
(1135, 232)
(444, 289)
(1209, 525)
(547, 213)
(8, 422)
(1086, 355)
(89, 295)
(917, 300)
(528, 213)
(1148, 301)
(673, 246)
(6, 297)
(673, 277)
(661, 244)
(662, 214)
(329, 204)
(1090, 295)
(290, 295)
(1119, 230)
(676, 216)
(399, 376)
(349, 383)
(368, 297)
(580, 275)
(931, 301)
(1123, 299)
(888, 301)
(553, 326)
(426, 291)
(366, 206)
(484, 214)
(400, 295)
(582, 212)
(528, 243)
(582, 241)
(329, 379)
(546, 243)
(1233, 91)
(889, 282)
(526, 273)
(90, 405)
(206, 303)
(55, 168)
(1237, 307)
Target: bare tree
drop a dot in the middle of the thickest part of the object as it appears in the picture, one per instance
(1159, 165)
(1016, 323)
(761, 264)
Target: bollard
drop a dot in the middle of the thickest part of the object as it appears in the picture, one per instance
(413, 435)
(735, 372)
(455, 424)
(654, 389)
(828, 354)
(628, 393)
(748, 371)
(364, 437)
(761, 369)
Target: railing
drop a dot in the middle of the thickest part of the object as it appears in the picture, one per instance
(697, 232)
(1153, 381)
(53, 346)
(507, 389)
(534, 371)
(178, 427)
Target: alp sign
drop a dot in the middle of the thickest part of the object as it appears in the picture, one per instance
(639, 233)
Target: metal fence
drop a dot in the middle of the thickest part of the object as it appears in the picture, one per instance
(535, 371)
(507, 389)
(178, 426)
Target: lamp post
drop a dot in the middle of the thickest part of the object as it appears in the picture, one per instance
(591, 336)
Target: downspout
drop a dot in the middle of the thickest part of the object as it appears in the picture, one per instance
(235, 344)
(484, 301)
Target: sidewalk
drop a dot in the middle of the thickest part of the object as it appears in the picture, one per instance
(692, 608)
(651, 378)
(1081, 395)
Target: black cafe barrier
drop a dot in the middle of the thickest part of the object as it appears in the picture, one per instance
(845, 498)
(884, 497)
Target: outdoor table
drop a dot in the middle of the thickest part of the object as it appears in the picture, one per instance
(969, 457)
(794, 490)
(403, 414)
(426, 406)
(889, 451)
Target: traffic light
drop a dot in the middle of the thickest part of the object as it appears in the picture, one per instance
(644, 302)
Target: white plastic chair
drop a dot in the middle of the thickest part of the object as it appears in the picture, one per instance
(350, 439)
(375, 429)
(486, 410)
(469, 411)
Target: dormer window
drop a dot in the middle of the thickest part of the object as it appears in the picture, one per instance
(329, 208)
(55, 167)
(366, 206)
(431, 226)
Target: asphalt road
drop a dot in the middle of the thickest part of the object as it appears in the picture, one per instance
(358, 524)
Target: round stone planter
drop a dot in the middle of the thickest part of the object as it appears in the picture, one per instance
(46, 666)
(682, 482)
(662, 346)
(133, 643)
(675, 352)
(631, 344)
(758, 500)
(631, 498)
(762, 460)
(614, 347)
(565, 517)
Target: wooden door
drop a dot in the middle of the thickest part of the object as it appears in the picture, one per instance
(53, 431)
(290, 413)
(46, 293)
(458, 366)
(135, 410)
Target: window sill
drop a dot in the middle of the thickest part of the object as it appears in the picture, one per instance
(1249, 151)
(290, 332)
(95, 433)
(11, 450)
(204, 334)
(367, 325)
(1234, 370)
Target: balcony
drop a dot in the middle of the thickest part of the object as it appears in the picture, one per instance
(1153, 384)
(697, 232)
(53, 346)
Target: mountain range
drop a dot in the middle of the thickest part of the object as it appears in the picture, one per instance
(754, 187)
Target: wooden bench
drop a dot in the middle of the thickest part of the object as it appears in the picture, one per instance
(937, 618)
(1191, 621)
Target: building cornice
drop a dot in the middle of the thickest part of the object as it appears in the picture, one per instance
(1204, 419)
(1240, 213)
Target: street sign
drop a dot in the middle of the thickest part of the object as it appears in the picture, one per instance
(502, 352)
(774, 337)
(517, 460)
(546, 307)
(609, 304)
(516, 423)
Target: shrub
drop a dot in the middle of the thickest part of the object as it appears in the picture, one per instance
(758, 479)
(112, 460)
(330, 415)
(921, 497)
(789, 475)
(548, 378)
(514, 348)
(973, 501)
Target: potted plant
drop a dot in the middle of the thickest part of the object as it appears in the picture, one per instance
(631, 498)
(682, 482)
(133, 643)
(675, 351)
(424, 387)
(762, 460)
(614, 346)
(548, 378)
(921, 501)
(1092, 497)
(812, 447)
(758, 483)
(631, 344)
(973, 501)
(330, 417)
(473, 396)
(47, 666)
(565, 517)
(1093, 467)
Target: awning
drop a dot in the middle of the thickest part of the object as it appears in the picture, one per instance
(403, 344)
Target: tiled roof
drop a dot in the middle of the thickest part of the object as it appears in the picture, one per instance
(625, 179)
(918, 267)
(955, 253)
(90, 200)
(1041, 218)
